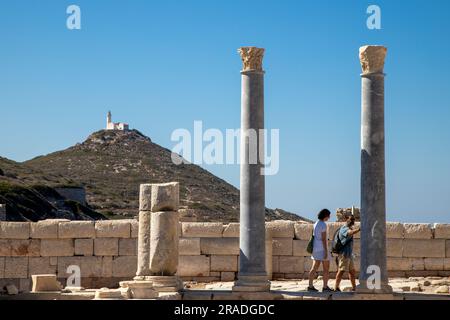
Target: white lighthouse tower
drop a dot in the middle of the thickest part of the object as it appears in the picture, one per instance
(115, 126)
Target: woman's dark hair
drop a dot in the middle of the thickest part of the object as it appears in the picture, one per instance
(323, 214)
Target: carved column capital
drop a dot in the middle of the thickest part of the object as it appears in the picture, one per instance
(372, 59)
(251, 58)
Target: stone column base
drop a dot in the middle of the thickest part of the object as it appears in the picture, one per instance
(166, 283)
(109, 294)
(363, 289)
(140, 289)
(251, 284)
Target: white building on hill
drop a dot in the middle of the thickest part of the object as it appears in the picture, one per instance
(115, 126)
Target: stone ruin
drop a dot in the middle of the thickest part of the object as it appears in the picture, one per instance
(343, 213)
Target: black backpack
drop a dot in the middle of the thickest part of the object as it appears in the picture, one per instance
(337, 246)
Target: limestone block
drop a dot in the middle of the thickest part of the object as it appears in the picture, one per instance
(113, 229)
(127, 247)
(165, 197)
(91, 266)
(143, 256)
(64, 263)
(224, 263)
(164, 241)
(76, 229)
(25, 285)
(418, 231)
(124, 266)
(2, 267)
(84, 247)
(303, 231)
(282, 247)
(417, 264)
(134, 224)
(446, 264)
(145, 197)
(394, 248)
(189, 246)
(395, 230)
(332, 228)
(291, 264)
(45, 229)
(421, 248)
(447, 248)
(227, 276)
(107, 263)
(106, 246)
(299, 248)
(14, 230)
(280, 228)
(11, 289)
(5, 248)
(29, 248)
(194, 266)
(57, 247)
(219, 246)
(441, 231)
(40, 265)
(16, 267)
(202, 229)
(45, 282)
(398, 264)
(275, 264)
(434, 264)
(231, 230)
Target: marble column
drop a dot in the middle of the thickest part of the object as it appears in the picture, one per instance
(143, 257)
(252, 274)
(373, 275)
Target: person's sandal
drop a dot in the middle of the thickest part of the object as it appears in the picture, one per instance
(327, 289)
(337, 290)
(312, 289)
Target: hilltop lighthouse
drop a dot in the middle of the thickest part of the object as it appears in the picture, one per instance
(115, 126)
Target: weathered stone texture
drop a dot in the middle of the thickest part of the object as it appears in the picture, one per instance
(127, 247)
(291, 264)
(224, 263)
(196, 266)
(113, 229)
(418, 231)
(45, 229)
(84, 247)
(76, 229)
(231, 230)
(14, 230)
(395, 230)
(219, 246)
(124, 266)
(282, 247)
(189, 246)
(202, 230)
(434, 263)
(40, 265)
(165, 197)
(16, 267)
(417, 248)
(394, 247)
(280, 228)
(106, 247)
(299, 248)
(441, 231)
(303, 231)
(57, 247)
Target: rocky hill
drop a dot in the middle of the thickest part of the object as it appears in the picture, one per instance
(112, 164)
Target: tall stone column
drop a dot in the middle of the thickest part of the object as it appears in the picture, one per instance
(164, 237)
(143, 257)
(373, 275)
(252, 274)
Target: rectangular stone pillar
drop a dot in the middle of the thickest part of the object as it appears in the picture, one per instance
(252, 274)
(373, 274)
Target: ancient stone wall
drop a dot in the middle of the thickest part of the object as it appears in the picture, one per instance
(106, 250)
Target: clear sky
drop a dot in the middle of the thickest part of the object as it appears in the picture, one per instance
(161, 65)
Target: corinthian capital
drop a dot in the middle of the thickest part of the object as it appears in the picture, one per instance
(372, 59)
(251, 58)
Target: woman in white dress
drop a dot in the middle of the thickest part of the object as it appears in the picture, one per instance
(321, 253)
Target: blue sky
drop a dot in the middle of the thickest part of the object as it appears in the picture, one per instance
(161, 65)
